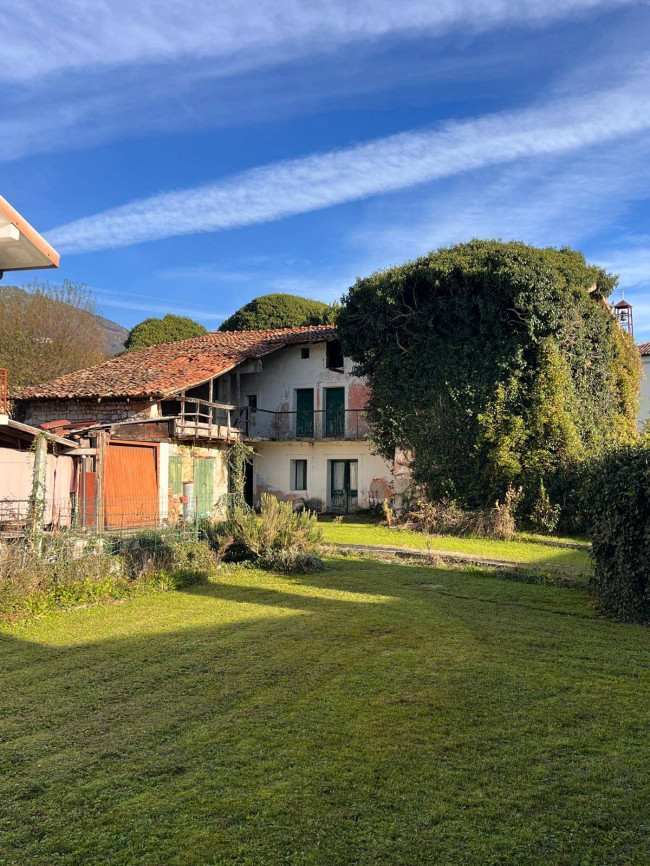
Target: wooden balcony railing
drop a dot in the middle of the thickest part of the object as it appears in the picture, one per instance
(201, 419)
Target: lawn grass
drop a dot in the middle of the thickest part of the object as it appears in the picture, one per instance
(355, 531)
(350, 717)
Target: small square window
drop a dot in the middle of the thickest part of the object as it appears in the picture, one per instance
(298, 474)
(304, 353)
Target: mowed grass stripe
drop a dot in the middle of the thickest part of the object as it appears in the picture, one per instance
(353, 716)
(532, 553)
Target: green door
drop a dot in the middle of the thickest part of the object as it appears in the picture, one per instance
(344, 484)
(203, 474)
(335, 413)
(305, 412)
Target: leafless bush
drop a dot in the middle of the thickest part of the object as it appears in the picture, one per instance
(447, 518)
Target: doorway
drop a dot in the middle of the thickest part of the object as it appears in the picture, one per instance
(305, 412)
(249, 489)
(344, 484)
(335, 413)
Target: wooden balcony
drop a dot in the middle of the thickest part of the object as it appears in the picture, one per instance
(202, 419)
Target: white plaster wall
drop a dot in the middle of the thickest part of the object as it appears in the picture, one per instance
(644, 407)
(163, 480)
(272, 468)
(284, 372)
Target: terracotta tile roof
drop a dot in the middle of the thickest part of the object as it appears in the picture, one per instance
(170, 367)
(644, 348)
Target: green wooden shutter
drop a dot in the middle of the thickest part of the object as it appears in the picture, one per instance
(176, 474)
(305, 412)
(203, 474)
(335, 412)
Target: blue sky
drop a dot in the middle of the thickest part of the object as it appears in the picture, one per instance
(186, 157)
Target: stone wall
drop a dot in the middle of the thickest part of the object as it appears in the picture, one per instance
(36, 412)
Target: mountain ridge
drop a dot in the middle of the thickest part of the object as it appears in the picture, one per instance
(114, 334)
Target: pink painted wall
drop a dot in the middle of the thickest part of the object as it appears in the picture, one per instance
(16, 478)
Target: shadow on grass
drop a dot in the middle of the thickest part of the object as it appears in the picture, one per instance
(349, 716)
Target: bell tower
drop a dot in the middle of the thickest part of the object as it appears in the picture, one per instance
(623, 313)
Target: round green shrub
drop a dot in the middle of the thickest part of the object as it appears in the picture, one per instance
(279, 311)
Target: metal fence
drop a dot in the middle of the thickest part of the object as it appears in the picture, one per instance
(117, 514)
(304, 424)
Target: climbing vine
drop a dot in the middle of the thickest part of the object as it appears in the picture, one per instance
(239, 455)
(36, 502)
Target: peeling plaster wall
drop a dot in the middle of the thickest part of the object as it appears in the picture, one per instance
(272, 470)
(173, 507)
(644, 407)
(283, 373)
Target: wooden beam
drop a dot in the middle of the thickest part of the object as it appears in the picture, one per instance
(100, 463)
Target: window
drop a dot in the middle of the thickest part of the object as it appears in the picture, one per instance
(304, 353)
(334, 352)
(298, 474)
(251, 401)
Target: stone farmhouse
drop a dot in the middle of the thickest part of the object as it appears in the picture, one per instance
(154, 427)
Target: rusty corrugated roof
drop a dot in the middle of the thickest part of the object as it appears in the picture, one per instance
(170, 367)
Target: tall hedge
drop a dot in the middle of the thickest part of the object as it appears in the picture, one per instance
(618, 497)
(494, 364)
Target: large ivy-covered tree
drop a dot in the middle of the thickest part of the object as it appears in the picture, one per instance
(169, 329)
(279, 311)
(494, 364)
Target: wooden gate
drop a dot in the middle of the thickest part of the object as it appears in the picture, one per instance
(130, 485)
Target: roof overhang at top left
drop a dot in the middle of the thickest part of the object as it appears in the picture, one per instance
(21, 246)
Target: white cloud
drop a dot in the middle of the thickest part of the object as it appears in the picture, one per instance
(47, 37)
(151, 304)
(384, 165)
(631, 264)
(557, 201)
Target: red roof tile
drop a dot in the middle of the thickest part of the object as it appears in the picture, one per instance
(644, 348)
(170, 367)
